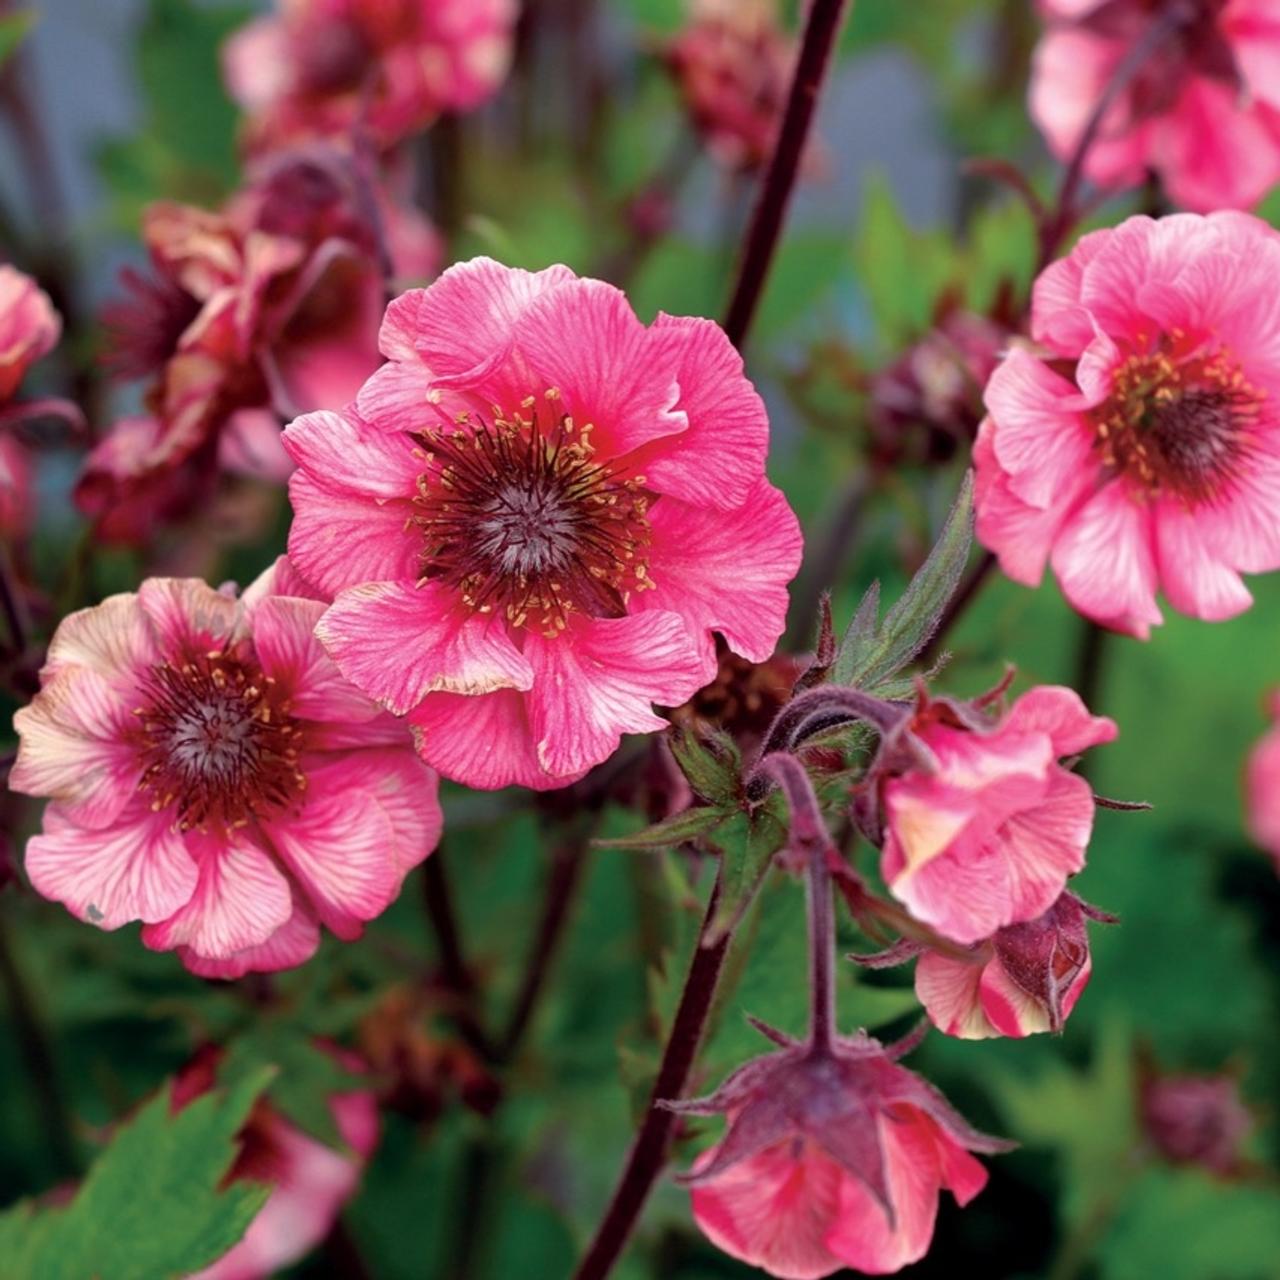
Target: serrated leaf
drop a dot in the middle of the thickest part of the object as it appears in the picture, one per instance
(747, 844)
(153, 1205)
(711, 762)
(871, 655)
(13, 30)
(670, 832)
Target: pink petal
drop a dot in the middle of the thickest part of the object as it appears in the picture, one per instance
(340, 540)
(239, 901)
(725, 571)
(583, 339)
(292, 944)
(138, 869)
(399, 643)
(73, 747)
(861, 1236)
(1011, 1011)
(186, 614)
(773, 1210)
(1196, 582)
(465, 316)
(1060, 713)
(341, 848)
(962, 1175)
(1105, 561)
(346, 455)
(280, 578)
(113, 638)
(398, 400)
(948, 989)
(1241, 528)
(285, 642)
(1040, 439)
(483, 742)
(719, 460)
(597, 681)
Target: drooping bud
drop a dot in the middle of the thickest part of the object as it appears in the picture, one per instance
(860, 1145)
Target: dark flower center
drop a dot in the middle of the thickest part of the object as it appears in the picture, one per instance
(143, 328)
(521, 520)
(1178, 421)
(217, 741)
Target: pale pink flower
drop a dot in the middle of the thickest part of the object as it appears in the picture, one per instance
(1262, 787)
(1139, 447)
(534, 517)
(732, 63)
(311, 1182)
(1203, 111)
(1024, 979)
(831, 1161)
(270, 305)
(29, 327)
(323, 68)
(987, 836)
(212, 775)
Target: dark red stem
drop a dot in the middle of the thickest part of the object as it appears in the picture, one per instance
(648, 1153)
(780, 178)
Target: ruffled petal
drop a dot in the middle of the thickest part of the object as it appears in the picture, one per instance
(483, 742)
(189, 615)
(112, 638)
(1195, 580)
(346, 455)
(399, 643)
(292, 944)
(1060, 713)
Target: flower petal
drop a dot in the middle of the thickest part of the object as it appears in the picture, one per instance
(948, 989)
(483, 742)
(292, 944)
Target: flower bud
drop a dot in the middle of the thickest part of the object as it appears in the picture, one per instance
(1196, 1119)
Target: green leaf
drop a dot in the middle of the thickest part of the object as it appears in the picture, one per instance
(711, 762)
(871, 655)
(13, 30)
(153, 1205)
(670, 832)
(747, 844)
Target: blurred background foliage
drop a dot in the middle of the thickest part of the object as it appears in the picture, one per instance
(512, 1184)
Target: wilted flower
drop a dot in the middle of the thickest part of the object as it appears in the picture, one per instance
(212, 775)
(29, 327)
(1263, 787)
(1196, 1119)
(988, 834)
(1024, 979)
(1142, 449)
(272, 304)
(732, 63)
(1202, 110)
(927, 404)
(310, 1182)
(832, 1159)
(328, 67)
(534, 517)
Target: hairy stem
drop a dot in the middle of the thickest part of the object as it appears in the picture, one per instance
(648, 1153)
(780, 178)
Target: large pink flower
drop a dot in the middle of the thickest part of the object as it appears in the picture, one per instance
(29, 327)
(1263, 787)
(1139, 448)
(831, 1161)
(310, 1182)
(326, 67)
(212, 775)
(988, 836)
(535, 516)
(1203, 111)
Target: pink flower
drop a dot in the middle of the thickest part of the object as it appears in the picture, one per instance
(327, 67)
(271, 305)
(311, 1182)
(1262, 786)
(29, 327)
(988, 836)
(1203, 111)
(212, 775)
(1024, 979)
(534, 517)
(1140, 446)
(732, 64)
(830, 1161)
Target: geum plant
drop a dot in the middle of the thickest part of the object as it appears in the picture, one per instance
(525, 528)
